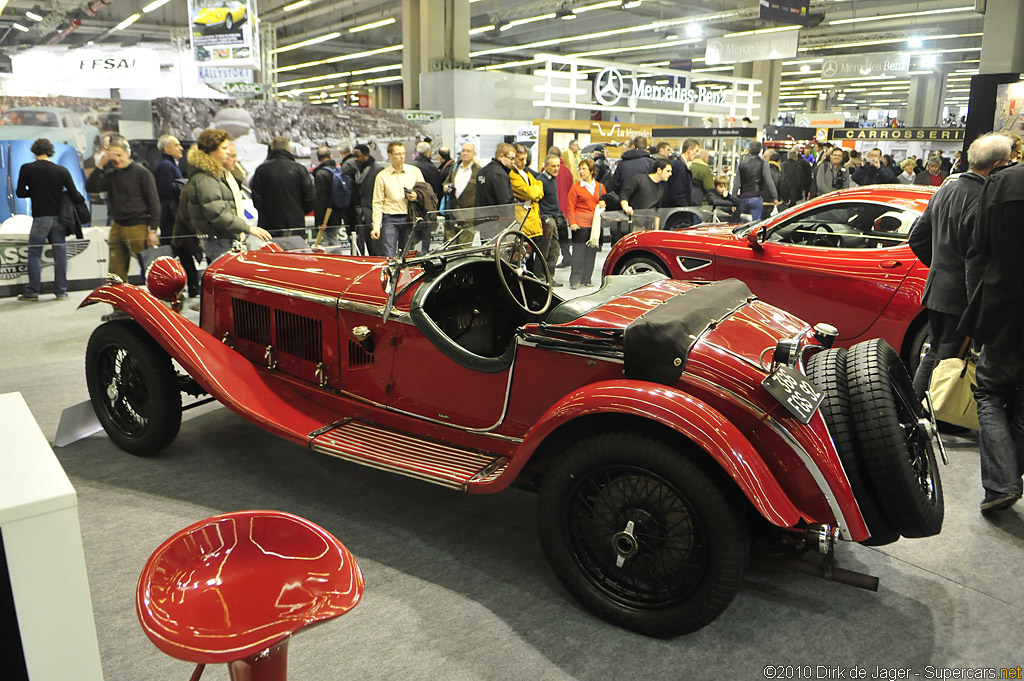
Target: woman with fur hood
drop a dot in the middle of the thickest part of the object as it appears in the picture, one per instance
(213, 198)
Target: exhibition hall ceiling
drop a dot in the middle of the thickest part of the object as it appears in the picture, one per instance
(332, 46)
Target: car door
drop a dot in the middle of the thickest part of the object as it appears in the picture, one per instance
(839, 263)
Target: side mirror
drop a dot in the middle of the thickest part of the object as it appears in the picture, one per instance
(754, 241)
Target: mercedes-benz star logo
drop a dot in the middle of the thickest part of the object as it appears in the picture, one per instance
(829, 68)
(609, 87)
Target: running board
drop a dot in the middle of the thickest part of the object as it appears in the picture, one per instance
(414, 457)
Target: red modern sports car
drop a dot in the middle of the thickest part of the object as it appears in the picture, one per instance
(842, 258)
(661, 422)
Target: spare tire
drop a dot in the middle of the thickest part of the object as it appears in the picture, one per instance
(827, 370)
(895, 445)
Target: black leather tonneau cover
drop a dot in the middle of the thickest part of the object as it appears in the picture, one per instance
(657, 344)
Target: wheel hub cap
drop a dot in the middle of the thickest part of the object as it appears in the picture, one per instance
(625, 544)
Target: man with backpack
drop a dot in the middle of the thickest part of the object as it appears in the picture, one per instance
(323, 184)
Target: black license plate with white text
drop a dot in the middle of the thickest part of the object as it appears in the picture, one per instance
(795, 391)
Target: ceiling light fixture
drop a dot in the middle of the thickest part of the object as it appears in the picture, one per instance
(127, 22)
(374, 24)
(806, 68)
(16, 25)
(33, 16)
(344, 57)
(630, 4)
(694, 30)
(928, 60)
(482, 29)
(305, 43)
(296, 5)
(762, 31)
(600, 5)
(915, 43)
(155, 5)
(901, 15)
(566, 15)
(528, 20)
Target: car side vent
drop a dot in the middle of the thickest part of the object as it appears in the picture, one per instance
(298, 336)
(252, 321)
(357, 355)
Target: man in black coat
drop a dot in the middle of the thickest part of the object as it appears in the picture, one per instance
(282, 191)
(493, 186)
(636, 161)
(798, 177)
(940, 239)
(168, 187)
(995, 284)
(431, 174)
(323, 183)
(873, 171)
(365, 175)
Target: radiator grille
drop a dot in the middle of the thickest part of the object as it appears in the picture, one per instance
(252, 321)
(357, 355)
(298, 336)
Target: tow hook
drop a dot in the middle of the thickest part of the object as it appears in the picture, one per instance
(826, 536)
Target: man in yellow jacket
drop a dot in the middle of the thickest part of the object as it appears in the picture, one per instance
(571, 158)
(528, 191)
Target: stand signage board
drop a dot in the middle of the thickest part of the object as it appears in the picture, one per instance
(89, 68)
(757, 47)
(610, 87)
(706, 132)
(223, 33)
(832, 120)
(908, 134)
(866, 65)
(791, 11)
(226, 74)
(601, 131)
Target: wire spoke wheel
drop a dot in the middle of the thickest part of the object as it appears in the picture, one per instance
(127, 403)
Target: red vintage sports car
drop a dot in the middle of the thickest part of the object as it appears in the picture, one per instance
(841, 257)
(661, 422)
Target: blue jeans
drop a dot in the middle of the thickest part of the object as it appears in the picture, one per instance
(1001, 415)
(753, 205)
(46, 229)
(394, 233)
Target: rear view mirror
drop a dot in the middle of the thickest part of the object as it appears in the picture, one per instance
(753, 240)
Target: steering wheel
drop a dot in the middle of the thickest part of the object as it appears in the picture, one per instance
(829, 240)
(512, 249)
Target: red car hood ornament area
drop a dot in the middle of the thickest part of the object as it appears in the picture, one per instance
(652, 416)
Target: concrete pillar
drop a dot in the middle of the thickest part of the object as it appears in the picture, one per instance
(924, 102)
(770, 75)
(436, 37)
(1002, 45)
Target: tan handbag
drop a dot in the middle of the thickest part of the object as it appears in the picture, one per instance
(952, 389)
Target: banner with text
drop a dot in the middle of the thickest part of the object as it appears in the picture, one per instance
(866, 66)
(223, 33)
(88, 68)
(906, 134)
(778, 45)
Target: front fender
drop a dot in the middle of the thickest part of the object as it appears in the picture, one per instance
(688, 416)
(226, 375)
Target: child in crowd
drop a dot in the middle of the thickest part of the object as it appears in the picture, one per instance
(722, 200)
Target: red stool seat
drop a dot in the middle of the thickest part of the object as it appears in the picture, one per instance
(231, 586)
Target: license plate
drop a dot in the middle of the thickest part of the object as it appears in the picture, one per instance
(796, 393)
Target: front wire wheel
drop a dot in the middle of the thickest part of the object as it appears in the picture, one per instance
(641, 535)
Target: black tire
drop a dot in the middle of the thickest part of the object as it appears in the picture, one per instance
(915, 351)
(133, 388)
(688, 549)
(228, 22)
(827, 370)
(642, 263)
(896, 451)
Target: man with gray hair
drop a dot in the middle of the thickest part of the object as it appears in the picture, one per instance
(168, 181)
(940, 238)
(431, 175)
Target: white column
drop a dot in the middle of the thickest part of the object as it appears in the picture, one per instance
(1002, 45)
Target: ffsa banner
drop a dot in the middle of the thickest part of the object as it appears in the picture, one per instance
(224, 33)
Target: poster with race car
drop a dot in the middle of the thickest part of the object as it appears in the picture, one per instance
(223, 33)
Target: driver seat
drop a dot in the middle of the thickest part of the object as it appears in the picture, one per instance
(235, 587)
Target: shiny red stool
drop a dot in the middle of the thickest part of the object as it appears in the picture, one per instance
(235, 587)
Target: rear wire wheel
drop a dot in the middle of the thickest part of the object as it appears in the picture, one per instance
(827, 370)
(642, 535)
(894, 439)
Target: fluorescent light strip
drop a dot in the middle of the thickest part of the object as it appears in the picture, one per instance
(336, 76)
(127, 22)
(888, 41)
(23, 29)
(156, 4)
(334, 60)
(305, 43)
(35, 17)
(528, 20)
(603, 34)
(296, 5)
(509, 65)
(762, 31)
(656, 63)
(901, 15)
(482, 29)
(651, 46)
(600, 5)
(373, 24)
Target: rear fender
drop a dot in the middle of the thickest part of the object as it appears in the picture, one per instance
(219, 370)
(688, 416)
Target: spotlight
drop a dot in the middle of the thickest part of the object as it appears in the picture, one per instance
(565, 15)
(915, 43)
(630, 4)
(694, 30)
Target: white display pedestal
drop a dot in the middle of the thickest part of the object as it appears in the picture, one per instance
(42, 543)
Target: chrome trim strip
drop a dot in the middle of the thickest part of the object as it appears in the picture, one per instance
(318, 298)
(815, 472)
(567, 351)
(373, 310)
(750, 406)
(741, 358)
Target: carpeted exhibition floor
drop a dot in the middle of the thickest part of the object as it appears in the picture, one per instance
(457, 586)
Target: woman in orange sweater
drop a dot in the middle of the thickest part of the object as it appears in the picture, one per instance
(584, 197)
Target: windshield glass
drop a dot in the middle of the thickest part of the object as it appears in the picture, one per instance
(741, 230)
(458, 230)
(29, 117)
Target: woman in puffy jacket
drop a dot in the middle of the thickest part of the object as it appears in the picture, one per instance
(214, 200)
